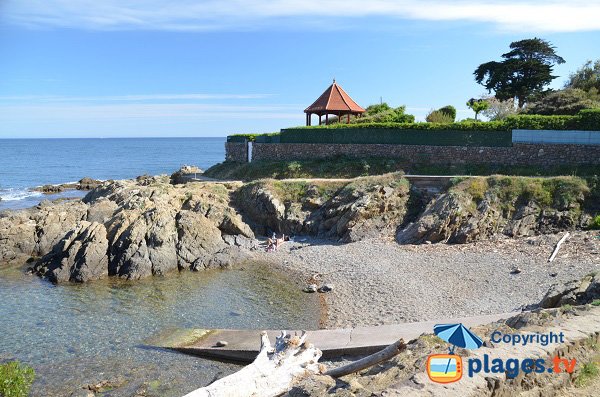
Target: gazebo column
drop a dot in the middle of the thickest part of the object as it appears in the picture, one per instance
(348, 119)
(320, 122)
(326, 118)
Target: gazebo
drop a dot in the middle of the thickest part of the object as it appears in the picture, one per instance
(333, 101)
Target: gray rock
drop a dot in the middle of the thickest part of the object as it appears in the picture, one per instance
(326, 288)
(576, 292)
(310, 288)
(221, 343)
(80, 256)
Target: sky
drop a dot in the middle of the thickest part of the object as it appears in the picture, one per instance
(133, 68)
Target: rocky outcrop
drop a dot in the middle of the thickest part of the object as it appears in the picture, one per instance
(345, 211)
(576, 292)
(88, 184)
(479, 208)
(80, 256)
(182, 175)
(33, 232)
(130, 229)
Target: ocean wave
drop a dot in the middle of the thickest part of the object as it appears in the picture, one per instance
(13, 194)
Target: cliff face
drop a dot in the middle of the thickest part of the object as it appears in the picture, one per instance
(138, 228)
(479, 208)
(344, 211)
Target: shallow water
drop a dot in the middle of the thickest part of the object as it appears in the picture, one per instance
(75, 335)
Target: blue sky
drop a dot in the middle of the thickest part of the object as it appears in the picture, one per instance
(89, 68)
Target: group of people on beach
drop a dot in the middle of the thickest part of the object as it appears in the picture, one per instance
(273, 243)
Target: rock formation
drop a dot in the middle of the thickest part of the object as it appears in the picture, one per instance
(479, 208)
(148, 226)
(366, 207)
(130, 229)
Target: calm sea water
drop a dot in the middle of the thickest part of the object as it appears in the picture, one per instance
(78, 335)
(26, 163)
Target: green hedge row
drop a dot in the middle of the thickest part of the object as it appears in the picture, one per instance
(465, 133)
(461, 126)
(272, 137)
(397, 136)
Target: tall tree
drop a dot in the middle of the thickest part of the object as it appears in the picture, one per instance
(524, 71)
(586, 78)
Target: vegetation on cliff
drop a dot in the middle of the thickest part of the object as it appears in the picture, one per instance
(478, 208)
(347, 167)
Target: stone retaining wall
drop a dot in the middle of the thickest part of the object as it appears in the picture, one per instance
(236, 151)
(518, 154)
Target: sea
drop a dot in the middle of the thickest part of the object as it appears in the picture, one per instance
(79, 336)
(27, 163)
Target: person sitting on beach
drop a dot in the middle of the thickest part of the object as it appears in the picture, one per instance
(279, 241)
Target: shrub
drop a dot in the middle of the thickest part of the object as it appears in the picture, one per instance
(595, 224)
(450, 110)
(538, 122)
(477, 188)
(440, 135)
(437, 116)
(588, 372)
(566, 102)
(251, 137)
(590, 119)
(15, 379)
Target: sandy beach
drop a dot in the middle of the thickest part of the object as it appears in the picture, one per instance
(380, 282)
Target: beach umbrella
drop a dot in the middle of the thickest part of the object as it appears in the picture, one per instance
(458, 335)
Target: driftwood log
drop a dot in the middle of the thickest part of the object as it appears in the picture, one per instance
(272, 373)
(369, 361)
(562, 240)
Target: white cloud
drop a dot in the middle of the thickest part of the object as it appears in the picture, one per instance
(193, 15)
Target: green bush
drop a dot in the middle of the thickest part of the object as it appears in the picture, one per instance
(252, 137)
(590, 119)
(459, 126)
(437, 136)
(451, 110)
(538, 122)
(437, 116)
(595, 223)
(15, 379)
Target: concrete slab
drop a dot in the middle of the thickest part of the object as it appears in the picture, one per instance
(243, 345)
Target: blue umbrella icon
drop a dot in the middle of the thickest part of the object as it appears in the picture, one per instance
(457, 335)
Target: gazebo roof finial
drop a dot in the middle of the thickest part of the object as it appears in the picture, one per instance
(334, 80)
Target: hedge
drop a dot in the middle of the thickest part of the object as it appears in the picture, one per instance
(462, 126)
(272, 137)
(397, 136)
(466, 133)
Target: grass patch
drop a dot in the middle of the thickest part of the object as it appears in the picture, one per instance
(337, 167)
(15, 379)
(566, 308)
(588, 372)
(347, 167)
(596, 302)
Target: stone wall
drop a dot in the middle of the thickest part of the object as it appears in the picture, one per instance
(518, 154)
(236, 151)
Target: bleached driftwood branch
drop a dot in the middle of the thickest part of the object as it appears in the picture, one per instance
(272, 373)
(369, 361)
(562, 240)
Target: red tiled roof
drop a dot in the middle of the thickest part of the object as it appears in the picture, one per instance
(334, 99)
